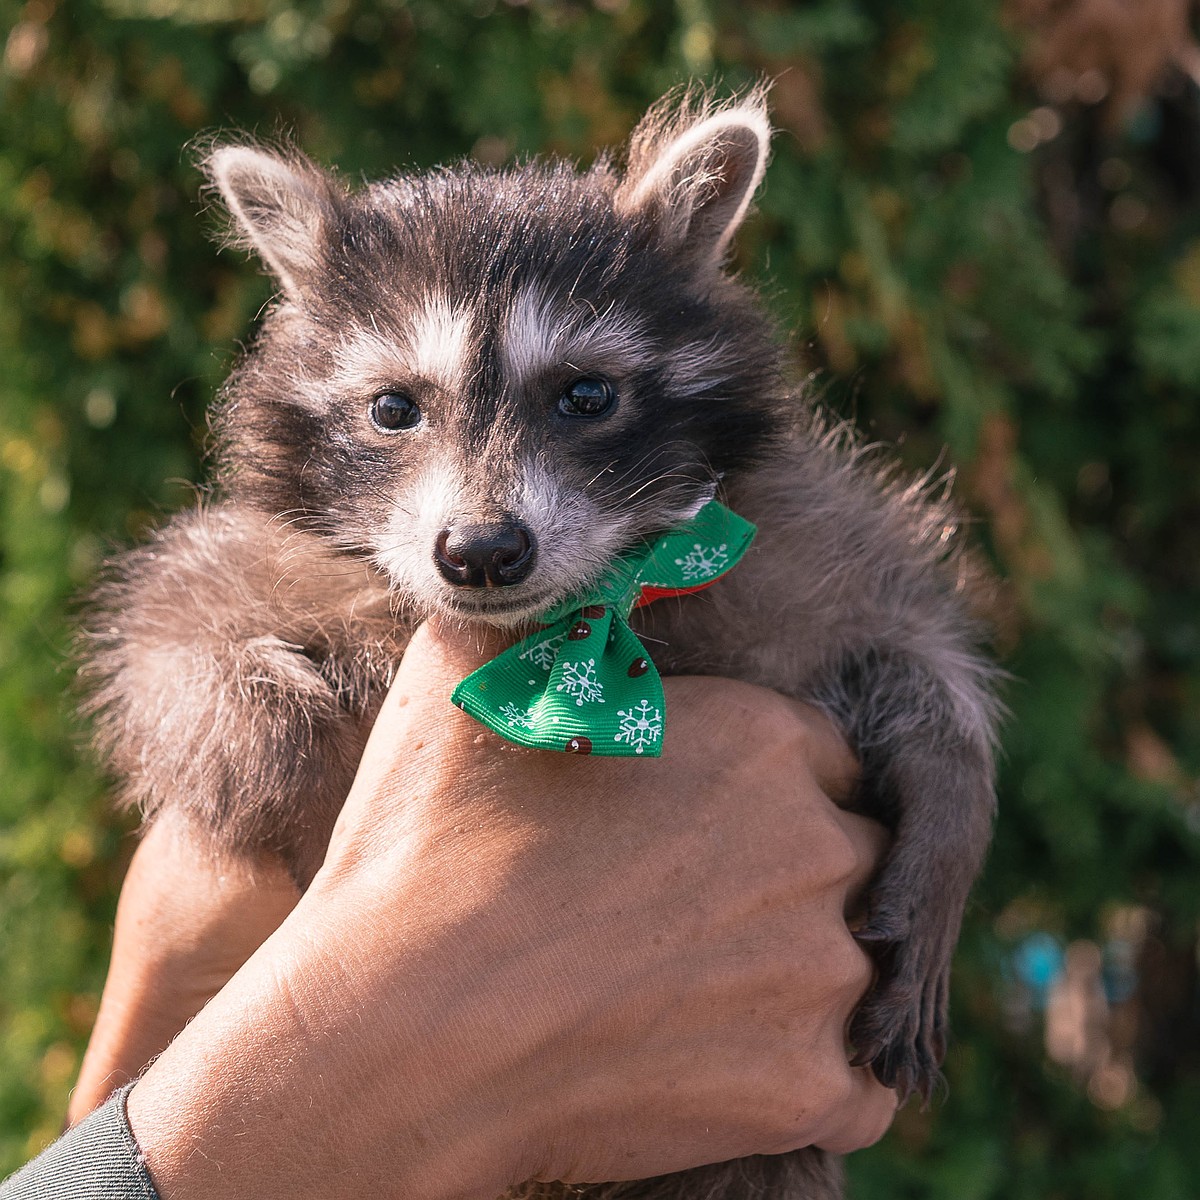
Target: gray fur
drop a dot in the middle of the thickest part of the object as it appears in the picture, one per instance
(237, 661)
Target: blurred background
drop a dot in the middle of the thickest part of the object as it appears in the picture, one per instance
(982, 223)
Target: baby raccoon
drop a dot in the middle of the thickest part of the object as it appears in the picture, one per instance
(476, 389)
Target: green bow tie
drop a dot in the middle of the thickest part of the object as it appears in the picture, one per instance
(583, 683)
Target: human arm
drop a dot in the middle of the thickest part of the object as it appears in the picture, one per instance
(518, 964)
(188, 917)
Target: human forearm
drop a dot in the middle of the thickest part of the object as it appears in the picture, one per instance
(187, 920)
(225, 1111)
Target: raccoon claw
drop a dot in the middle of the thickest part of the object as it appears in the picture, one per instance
(882, 928)
(902, 1053)
(899, 1029)
(874, 937)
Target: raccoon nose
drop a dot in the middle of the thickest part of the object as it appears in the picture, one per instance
(496, 554)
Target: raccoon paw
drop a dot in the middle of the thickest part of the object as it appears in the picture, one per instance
(900, 1027)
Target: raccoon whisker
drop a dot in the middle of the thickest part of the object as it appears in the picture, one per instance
(295, 533)
(294, 514)
(571, 291)
(638, 465)
(661, 478)
(660, 450)
(390, 501)
(602, 471)
(291, 547)
(645, 637)
(571, 300)
(293, 537)
(323, 575)
(287, 548)
(681, 476)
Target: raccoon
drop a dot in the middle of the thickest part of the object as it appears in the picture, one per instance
(476, 388)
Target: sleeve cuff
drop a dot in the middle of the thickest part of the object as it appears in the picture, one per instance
(98, 1159)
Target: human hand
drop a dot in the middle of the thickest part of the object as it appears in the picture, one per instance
(517, 964)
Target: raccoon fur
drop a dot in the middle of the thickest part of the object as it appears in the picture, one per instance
(475, 388)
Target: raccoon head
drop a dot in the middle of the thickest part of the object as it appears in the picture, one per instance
(491, 382)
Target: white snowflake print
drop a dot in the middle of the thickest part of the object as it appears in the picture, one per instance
(580, 683)
(542, 653)
(640, 727)
(516, 717)
(703, 562)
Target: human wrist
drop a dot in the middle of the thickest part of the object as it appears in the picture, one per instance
(270, 1092)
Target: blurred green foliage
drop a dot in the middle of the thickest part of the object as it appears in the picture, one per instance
(978, 276)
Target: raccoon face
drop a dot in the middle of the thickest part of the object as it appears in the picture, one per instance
(491, 383)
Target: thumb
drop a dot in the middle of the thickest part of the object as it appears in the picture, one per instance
(439, 655)
(418, 731)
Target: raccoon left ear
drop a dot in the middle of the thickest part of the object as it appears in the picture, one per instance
(696, 167)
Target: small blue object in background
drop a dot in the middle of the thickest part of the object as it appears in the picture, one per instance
(1038, 962)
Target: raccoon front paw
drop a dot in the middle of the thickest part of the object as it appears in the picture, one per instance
(900, 1027)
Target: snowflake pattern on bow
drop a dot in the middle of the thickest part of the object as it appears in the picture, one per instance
(541, 654)
(517, 718)
(703, 562)
(579, 681)
(641, 726)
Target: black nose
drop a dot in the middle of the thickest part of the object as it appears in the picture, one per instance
(495, 554)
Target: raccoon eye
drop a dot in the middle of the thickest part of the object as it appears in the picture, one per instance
(587, 396)
(394, 410)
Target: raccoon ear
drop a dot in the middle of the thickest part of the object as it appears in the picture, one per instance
(696, 167)
(279, 205)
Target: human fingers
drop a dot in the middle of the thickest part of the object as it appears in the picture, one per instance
(868, 841)
(418, 733)
(829, 757)
(745, 716)
(846, 1108)
(859, 1108)
(493, 934)
(862, 1118)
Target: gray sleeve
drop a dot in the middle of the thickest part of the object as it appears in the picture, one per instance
(96, 1160)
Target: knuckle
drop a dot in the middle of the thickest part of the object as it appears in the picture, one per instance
(857, 1112)
(829, 863)
(837, 852)
(822, 1085)
(764, 718)
(833, 971)
(791, 1125)
(879, 1123)
(838, 1087)
(850, 969)
(729, 716)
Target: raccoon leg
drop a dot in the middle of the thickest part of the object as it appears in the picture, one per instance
(233, 711)
(802, 1175)
(928, 775)
(236, 670)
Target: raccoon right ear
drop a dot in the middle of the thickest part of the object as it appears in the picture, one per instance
(279, 204)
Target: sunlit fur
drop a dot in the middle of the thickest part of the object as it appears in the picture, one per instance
(238, 659)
